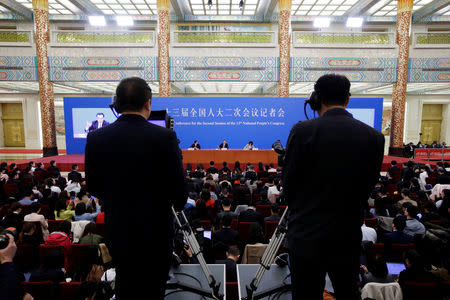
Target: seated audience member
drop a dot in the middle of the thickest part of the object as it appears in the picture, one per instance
(251, 215)
(368, 234)
(10, 277)
(52, 269)
(377, 272)
(62, 210)
(251, 174)
(61, 237)
(412, 225)
(274, 217)
(240, 192)
(73, 186)
(92, 269)
(53, 170)
(442, 176)
(101, 216)
(226, 235)
(27, 199)
(237, 168)
(74, 175)
(415, 270)
(81, 213)
(14, 217)
(272, 169)
(226, 206)
(201, 211)
(205, 196)
(34, 216)
(26, 236)
(397, 236)
(405, 198)
(430, 213)
(90, 236)
(393, 169)
(230, 263)
(256, 235)
(52, 185)
(40, 168)
(274, 190)
(14, 178)
(264, 173)
(225, 186)
(4, 176)
(225, 168)
(212, 169)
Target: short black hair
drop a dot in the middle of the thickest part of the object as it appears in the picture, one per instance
(274, 207)
(234, 251)
(405, 192)
(34, 207)
(394, 162)
(52, 162)
(226, 220)
(332, 89)
(412, 211)
(226, 202)
(399, 223)
(65, 226)
(211, 163)
(132, 93)
(74, 166)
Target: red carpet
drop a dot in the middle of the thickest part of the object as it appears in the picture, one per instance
(65, 162)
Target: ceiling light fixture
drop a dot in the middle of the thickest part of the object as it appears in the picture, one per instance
(97, 20)
(354, 22)
(241, 4)
(125, 21)
(210, 4)
(321, 22)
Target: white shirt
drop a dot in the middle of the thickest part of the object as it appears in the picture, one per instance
(55, 189)
(272, 193)
(422, 180)
(368, 234)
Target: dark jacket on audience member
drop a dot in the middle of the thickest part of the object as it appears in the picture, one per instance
(397, 237)
(227, 236)
(272, 218)
(74, 175)
(251, 215)
(152, 156)
(10, 280)
(230, 269)
(55, 275)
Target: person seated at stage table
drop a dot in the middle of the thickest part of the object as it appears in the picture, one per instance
(250, 146)
(212, 169)
(74, 174)
(195, 146)
(99, 123)
(224, 145)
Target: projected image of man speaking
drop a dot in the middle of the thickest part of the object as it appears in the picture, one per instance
(99, 123)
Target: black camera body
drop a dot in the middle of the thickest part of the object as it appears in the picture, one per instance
(4, 239)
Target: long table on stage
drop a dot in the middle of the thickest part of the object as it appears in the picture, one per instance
(230, 156)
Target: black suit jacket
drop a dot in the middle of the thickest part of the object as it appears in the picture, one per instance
(230, 268)
(94, 125)
(226, 236)
(153, 161)
(332, 165)
(74, 175)
(251, 215)
(222, 146)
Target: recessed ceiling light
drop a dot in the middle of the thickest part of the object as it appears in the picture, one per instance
(321, 22)
(97, 20)
(354, 22)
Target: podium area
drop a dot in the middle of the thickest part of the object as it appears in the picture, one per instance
(230, 156)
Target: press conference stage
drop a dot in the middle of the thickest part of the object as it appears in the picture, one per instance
(65, 162)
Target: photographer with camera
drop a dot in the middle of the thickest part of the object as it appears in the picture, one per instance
(151, 153)
(9, 276)
(326, 210)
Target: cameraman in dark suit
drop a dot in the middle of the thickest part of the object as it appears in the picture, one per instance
(343, 157)
(152, 155)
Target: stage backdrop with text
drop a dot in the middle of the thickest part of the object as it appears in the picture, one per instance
(210, 120)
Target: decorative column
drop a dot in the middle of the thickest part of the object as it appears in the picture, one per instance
(42, 34)
(404, 11)
(163, 47)
(284, 42)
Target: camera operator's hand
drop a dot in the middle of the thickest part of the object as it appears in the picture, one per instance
(188, 252)
(364, 268)
(7, 254)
